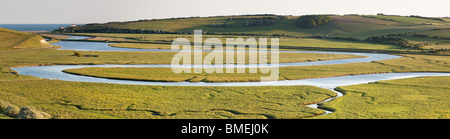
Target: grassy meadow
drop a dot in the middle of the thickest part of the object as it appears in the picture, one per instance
(164, 41)
(79, 100)
(408, 19)
(432, 43)
(407, 98)
(52, 56)
(11, 40)
(440, 33)
(415, 98)
(408, 63)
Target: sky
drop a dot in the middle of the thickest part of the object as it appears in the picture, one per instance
(102, 11)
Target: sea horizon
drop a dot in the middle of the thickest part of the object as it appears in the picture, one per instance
(34, 27)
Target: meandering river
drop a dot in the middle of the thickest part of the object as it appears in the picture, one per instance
(55, 72)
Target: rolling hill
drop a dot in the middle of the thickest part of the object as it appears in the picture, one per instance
(353, 26)
(10, 39)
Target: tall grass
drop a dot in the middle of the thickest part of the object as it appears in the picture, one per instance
(416, 98)
(10, 39)
(63, 99)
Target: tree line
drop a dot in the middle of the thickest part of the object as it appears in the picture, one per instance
(310, 21)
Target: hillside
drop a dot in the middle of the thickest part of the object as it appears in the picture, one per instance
(354, 26)
(10, 39)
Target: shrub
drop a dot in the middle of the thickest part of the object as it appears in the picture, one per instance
(3, 105)
(259, 22)
(31, 113)
(77, 54)
(11, 111)
(309, 21)
(224, 25)
(8, 109)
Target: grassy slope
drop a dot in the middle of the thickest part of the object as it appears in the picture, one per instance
(362, 27)
(446, 19)
(416, 98)
(437, 39)
(408, 63)
(407, 19)
(95, 100)
(343, 26)
(51, 56)
(10, 39)
(433, 43)
(444, 33)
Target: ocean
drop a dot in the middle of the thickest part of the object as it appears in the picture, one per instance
(33, 27)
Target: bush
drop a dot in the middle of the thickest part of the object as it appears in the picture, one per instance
(11, 111)
(309, 21)
(224, 25)
(31, 113)
(77, 54)
(8, 109)
(3, 105)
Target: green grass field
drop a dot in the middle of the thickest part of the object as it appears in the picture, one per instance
(167, 75)
(163, 41)
(408, 98)
(408, 63)
(111, 101)
(11, 40)
(415, 98)
(407, 19)
(443, 33)
(432, 43)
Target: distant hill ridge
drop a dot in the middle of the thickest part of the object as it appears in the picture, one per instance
(10, 39)
(355, 26)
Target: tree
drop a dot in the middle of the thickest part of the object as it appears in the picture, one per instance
(309, 21)
(77, 54)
